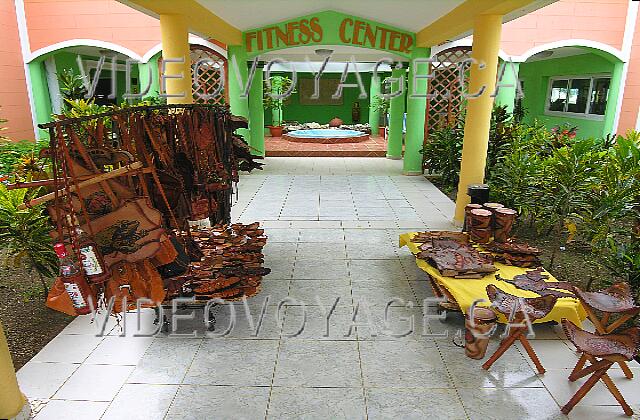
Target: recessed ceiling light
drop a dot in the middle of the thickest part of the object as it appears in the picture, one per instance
(544, 54)
(324, 52)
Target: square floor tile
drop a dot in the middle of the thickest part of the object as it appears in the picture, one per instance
(234, 362)
(283, 235)
(416, 404)
(316, 403)
(42, 380)
(321, 292)
(166, 361)
(319, 323)
(322, 235)
(362, 270)
(371, 251)
(392, 323)
(553, 354)
(280, 269)
(318, 268)
(275, 289)
(86, 324)
(328, 251)
(403, 363)
(72, 410)
(141, 402)
(114, 350)
(253, 321)
(94, 383)
(279, 250)
(366, 236)
(496, 403)
(510, 371)
(318, 364)
(381, 291)
(562, 389)
(68, 349)
(219, 402)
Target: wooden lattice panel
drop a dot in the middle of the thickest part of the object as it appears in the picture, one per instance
(211, 75)
(447, 90)
(447, 101)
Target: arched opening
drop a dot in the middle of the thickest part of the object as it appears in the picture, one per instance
(576, 85)
(63, 71)
(348, 66)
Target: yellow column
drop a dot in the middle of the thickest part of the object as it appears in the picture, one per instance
(176, 59)
(11, 399)
(486, 45)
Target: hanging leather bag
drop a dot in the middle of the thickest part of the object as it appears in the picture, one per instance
(131, 233)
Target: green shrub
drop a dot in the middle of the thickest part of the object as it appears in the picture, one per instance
(443, 151)
(24, 234)
(12, 154)
(443, 154)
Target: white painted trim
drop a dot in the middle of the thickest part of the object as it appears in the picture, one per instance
(465, 42)
(53, 85)
(580, 115)
(25, 48)
(623, 85)
(638, 120)
(629, 29)
(193, 40)
(627, 45)
(571, 43)
(81, 42)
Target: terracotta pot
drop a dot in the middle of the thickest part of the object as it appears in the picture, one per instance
(335, 122)
(381, 131)
(275, 131)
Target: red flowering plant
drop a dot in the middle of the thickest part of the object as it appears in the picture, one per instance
(563, 135)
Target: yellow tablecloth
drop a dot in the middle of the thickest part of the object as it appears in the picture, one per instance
(467, 291)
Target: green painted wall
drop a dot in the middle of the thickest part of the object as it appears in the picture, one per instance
(66, 59)
(535, 77)
(143, 72)
(328, 28)
(294, 111)
(41, 100)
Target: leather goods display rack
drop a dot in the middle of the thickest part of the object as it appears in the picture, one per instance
(133, 179)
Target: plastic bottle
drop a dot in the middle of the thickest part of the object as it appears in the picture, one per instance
(74, 281)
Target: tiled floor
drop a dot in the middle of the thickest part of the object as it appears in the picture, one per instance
(374, 147)
(332, 226)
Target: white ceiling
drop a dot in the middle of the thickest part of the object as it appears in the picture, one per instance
(411, 15)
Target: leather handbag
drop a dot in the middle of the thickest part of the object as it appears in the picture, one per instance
(180, 263)
(131, 233)
(133, 281)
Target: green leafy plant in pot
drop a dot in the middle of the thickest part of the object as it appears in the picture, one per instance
(381, 104)
(276, 89)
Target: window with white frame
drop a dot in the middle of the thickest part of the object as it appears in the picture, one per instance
(578, 96)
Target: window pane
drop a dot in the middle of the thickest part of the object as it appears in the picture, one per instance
(599, 96)
(578, 95)
(558, 96)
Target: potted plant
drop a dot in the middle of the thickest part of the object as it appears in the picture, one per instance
(274, 88)
(381, 104)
